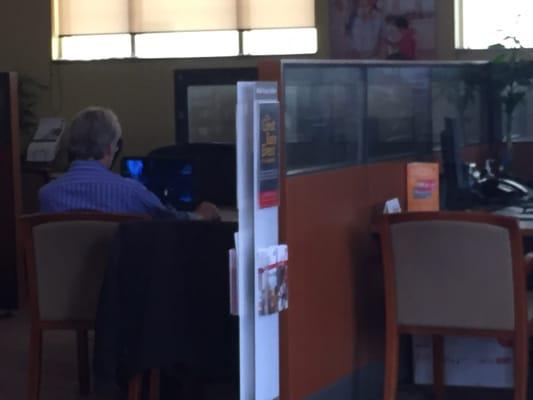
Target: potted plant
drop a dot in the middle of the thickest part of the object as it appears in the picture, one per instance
(512, 78)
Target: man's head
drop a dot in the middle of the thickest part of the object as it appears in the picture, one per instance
(94, 135)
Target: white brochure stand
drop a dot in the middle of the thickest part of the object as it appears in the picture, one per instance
(258, 228)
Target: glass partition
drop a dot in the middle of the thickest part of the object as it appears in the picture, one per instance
(324, 115)
(351, 112)
(460, 93)
(398, 113)
(522, 124)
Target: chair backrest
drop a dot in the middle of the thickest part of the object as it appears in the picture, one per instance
(66, 258)
(454, 270)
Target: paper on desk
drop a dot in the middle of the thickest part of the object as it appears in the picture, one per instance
(45, 143)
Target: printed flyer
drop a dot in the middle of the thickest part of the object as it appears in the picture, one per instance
(272, 280)
(268, 173)
(422, 187)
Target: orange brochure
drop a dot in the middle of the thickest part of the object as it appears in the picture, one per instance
(422, 186)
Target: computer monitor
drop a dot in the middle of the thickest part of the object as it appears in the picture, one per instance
(170, 179)
(457, 195)
(205, 101)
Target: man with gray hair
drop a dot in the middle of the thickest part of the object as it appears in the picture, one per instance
(95, 137)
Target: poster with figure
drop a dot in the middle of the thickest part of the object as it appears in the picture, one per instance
(382, 29)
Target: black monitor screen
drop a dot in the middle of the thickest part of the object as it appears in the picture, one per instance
(171, 179)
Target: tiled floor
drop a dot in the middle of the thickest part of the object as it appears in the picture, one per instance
(60, 374)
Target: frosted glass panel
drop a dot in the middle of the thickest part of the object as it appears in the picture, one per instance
(211, 113)
(324, 115)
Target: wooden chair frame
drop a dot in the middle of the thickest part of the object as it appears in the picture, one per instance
(519, 335)
(38, 325)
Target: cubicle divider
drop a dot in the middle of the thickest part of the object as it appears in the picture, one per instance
(334, 326)
(332, 336)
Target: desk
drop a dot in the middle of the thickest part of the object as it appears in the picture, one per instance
(228, 214)
(526, 224)
(526, 228)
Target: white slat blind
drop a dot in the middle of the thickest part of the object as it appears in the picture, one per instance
(92, 17)
(271, 14)
(183, 15)
(99, 29)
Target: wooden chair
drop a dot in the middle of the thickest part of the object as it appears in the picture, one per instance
(452, 274)
(66, 256)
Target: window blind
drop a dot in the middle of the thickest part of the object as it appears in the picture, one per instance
(271, 14)
(92, 17)
(183, 15)
(84, 17)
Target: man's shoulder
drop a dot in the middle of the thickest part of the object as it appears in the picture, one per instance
(101, 178)
(131, 183)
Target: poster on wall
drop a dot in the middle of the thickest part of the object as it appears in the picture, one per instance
(382, 29)
(268, 172)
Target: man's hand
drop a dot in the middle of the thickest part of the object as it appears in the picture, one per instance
(207, 211)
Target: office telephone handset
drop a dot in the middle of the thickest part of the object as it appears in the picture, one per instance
(510, 186)
(502, 189)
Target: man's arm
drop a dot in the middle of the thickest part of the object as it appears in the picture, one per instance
(150, 204)
(154, 207)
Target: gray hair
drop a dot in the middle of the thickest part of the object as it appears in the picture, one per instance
(91, 132)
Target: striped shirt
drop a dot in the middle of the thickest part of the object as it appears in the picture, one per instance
(89, 185)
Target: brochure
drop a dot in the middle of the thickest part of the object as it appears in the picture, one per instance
(273, 280)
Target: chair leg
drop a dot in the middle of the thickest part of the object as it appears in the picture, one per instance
(438, 367)
(391, 365)
(134, 387)
(35, 362)
(82, 339)
(521, 356)
(154, 384)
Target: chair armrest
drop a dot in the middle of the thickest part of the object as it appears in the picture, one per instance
(528, 261)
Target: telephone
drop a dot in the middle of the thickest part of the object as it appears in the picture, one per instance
(501, 189)
(45, 144)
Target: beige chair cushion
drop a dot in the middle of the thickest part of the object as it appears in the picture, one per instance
(71, 258)
(453, 274)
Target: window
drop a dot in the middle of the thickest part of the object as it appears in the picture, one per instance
(101, 29)
(482, 23)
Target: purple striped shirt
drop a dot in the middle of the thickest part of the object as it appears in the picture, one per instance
(89, 185)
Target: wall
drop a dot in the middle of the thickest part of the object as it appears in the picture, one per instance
(140, 91)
